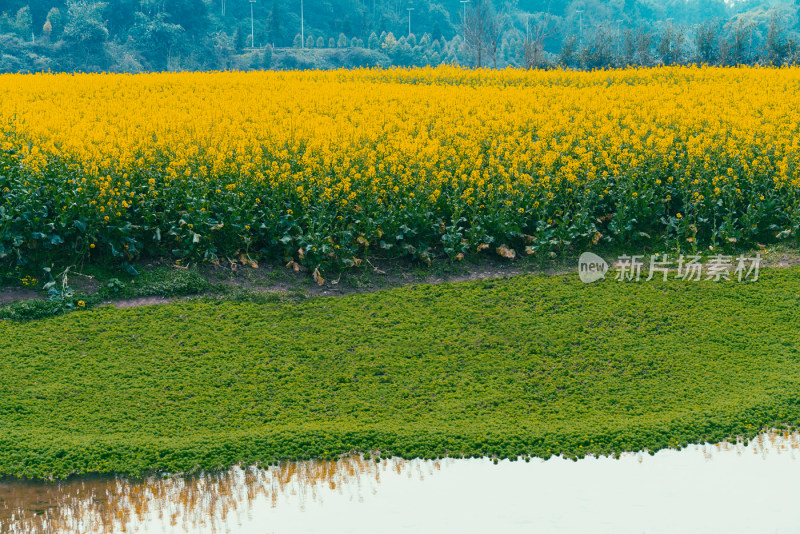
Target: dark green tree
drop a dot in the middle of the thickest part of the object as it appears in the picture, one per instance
(157, 39)
(777, 47)
(23, 23)
(707, 43)
(56, 21)
(670, 45)
(276, 33)
(568, 57)
(86, 33)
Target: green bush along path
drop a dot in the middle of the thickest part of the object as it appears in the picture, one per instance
(530, 365)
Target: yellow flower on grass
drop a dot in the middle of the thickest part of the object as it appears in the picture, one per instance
(417, 141)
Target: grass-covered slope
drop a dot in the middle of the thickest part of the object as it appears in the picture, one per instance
(529, 365)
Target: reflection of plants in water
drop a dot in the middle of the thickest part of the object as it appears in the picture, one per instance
(210, 501)
(774, 442)
(206, 501)
(778, 442)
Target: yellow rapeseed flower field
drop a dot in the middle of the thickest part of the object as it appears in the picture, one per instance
(323, 167)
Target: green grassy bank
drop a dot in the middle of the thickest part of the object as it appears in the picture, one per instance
(530, 365)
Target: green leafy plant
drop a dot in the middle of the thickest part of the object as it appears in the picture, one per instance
(529, 366)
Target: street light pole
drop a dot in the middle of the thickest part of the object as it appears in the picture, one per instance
(252, 26)
(464, 15)
(409, 9)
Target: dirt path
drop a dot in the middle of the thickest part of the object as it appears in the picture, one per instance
(14, 294)
(382, 275)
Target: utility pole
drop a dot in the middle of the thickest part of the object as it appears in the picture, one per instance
(303, 27)
(409, 9)
(252, 26)
(580, 12)
(464, 11)
(223, 8)
(619, 39)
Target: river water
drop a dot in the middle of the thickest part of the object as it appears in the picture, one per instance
(703, 488)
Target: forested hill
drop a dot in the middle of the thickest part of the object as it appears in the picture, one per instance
(137, 35)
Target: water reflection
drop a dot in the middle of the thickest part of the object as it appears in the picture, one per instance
(268, 499)
(207, 502)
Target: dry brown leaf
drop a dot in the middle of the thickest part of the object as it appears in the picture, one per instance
(375, 268)
(244, 259)
(506, 252)
(317, 277)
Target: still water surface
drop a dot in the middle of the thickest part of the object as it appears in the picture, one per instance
(703, 488)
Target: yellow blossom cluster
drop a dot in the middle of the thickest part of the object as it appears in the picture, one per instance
(411, 159)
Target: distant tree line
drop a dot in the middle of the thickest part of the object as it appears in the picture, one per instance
(157, 35)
